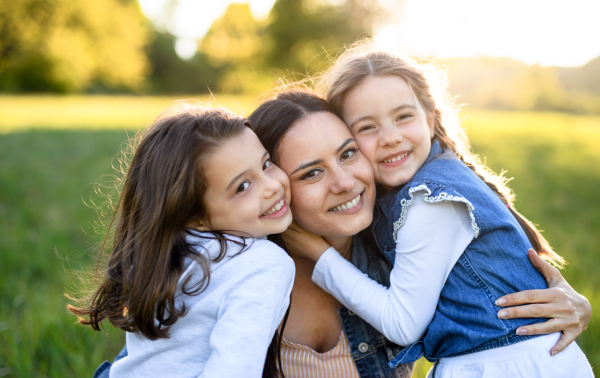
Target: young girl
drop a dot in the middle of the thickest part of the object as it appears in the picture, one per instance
(190, 277)
(446, 223)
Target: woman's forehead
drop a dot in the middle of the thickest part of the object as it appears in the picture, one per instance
(315, 136)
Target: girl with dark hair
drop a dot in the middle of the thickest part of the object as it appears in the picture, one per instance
(189, 277)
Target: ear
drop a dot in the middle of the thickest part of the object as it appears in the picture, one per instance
(199, 225)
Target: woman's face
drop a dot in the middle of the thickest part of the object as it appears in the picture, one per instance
(333, 191)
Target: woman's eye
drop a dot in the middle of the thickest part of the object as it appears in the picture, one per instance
(348, 154)
(310, 174)
(243, 187)
(267, 164)
(402, 117)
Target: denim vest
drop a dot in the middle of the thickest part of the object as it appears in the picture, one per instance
(371, 351)
(494, 264)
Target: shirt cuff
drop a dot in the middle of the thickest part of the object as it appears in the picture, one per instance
(326, 260)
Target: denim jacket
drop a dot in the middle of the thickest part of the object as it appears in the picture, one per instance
(371, 351)
(494, 264)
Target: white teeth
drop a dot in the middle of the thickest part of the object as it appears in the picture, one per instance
(395, 158)
(275, 208)
(347, 205)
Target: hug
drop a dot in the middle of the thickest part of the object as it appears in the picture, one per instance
(342, 235)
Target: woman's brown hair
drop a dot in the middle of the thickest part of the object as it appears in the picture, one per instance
(276, 116)
(429, 85)
(162, 195)
(271, 121)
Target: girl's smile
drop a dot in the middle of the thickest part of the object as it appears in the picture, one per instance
(390, 127)
(278, 210)
(247, 194)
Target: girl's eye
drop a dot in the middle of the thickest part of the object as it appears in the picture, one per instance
(243, 187)
(402, 117)
(267, 164)
(310, 174)
(365, 128)
(348, 154)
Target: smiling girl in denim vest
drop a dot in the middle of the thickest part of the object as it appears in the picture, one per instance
(196, 291)
(448, 225)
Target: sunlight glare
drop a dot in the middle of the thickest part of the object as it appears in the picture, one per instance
(545, 32)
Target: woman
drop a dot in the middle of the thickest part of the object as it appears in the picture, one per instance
(314, 147)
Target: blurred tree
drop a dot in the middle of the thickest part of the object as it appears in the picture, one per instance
(235, 45)
(171, 74)
(66, 45)
(301, 30)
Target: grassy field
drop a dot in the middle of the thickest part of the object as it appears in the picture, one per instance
(53, 150)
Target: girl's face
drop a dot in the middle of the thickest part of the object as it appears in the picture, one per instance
(247, 194)
(333, 192)
(390, 127)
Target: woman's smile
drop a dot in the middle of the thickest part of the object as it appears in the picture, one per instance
(329, 176)
(349, 207)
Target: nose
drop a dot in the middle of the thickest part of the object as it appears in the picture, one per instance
(271, 187)
(389, 135)
(343, 181)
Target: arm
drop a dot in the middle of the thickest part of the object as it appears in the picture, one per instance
(403, 312)
(249, 313)
(569, 311)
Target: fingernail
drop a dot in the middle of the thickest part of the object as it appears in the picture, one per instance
(554, 353)
(503, 314)
(522, 331)
(501, 302)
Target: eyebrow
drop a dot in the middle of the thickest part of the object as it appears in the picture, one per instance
(396, 109)
(315, 162)
(243, 173)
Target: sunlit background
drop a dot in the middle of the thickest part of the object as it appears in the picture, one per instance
(78, 78)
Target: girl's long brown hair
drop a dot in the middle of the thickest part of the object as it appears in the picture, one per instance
(429, 85)
(162, 195)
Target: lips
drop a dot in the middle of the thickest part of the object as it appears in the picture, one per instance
(347, 205)
(275, 208)
(396, 157)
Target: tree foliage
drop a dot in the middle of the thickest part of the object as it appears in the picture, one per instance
(300, 31)
(68, 45)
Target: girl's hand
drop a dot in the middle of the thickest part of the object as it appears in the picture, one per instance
(301, 243)
(569, 311)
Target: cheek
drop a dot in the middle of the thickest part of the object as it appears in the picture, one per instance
(368, 147)
(416, 132)
(306, 203)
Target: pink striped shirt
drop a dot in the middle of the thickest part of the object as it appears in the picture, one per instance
(300, 361)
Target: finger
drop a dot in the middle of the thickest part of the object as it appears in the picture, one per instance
(537, 310)
(527, 296)
(563, 342)
(550, 326)
(549, 272)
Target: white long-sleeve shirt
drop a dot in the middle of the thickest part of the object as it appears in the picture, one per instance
(428, 245)
(228, 327)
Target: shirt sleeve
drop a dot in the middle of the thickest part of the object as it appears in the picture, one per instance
(428, 245)
(249, 313)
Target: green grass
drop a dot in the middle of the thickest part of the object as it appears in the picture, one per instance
(53, 149)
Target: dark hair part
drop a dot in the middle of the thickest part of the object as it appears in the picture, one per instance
(429, 85)
(275, 117)
(162, 195)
